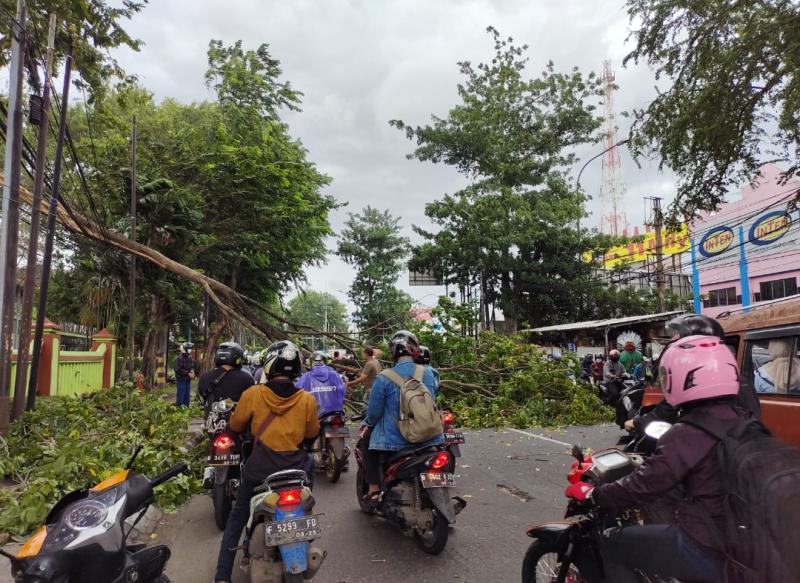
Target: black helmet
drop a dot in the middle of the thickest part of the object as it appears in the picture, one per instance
(283, 358)
(229, 353)
(424, 357)
(695, 325)
(403, 343)
(319, 357)
(186, 347)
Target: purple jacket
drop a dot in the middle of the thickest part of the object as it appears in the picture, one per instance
(327, 387)
(685, 458)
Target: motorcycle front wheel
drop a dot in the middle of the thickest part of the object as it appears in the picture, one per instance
(542, 565)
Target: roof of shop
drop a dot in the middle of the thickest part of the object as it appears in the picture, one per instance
(610, 323)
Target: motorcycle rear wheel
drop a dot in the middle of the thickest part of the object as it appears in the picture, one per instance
(361, 490)
(434, 541)
(293, 578)
(222, 505)
(333, 469)
(541, 565)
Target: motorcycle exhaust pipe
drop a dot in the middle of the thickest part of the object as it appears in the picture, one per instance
(316, 557)
(459, 504)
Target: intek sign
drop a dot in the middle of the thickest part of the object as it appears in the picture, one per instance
(770, 227)
(716, 241)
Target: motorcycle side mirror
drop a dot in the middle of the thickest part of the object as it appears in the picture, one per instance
(656, 429)
(134, 456)
(577, 453)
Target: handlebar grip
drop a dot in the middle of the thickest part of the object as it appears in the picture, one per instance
(169, 474)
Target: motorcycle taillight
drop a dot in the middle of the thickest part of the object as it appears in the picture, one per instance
(223, 441)
(289, 498)
(337, 421)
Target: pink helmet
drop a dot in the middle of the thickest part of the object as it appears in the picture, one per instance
(696, 368)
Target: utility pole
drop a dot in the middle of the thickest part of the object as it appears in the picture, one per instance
(33, 243)
(47, 258)
(10, 219)
(658, 223)
(132, 299)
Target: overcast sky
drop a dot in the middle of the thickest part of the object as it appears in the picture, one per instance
(361, 63)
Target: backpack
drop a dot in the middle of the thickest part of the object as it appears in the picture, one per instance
(419, 419)
(761, 478)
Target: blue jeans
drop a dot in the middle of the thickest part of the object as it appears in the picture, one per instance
(184, 392)
(657, 549)
(237, 520)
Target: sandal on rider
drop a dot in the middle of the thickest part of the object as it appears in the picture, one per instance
(373, 499)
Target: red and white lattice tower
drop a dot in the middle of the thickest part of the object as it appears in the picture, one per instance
(612, 192)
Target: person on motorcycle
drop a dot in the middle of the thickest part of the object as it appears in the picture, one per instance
(325, 384)
(613, 371)
(227, 380)
(424, 359)
(280, 417)
(379, 432)
(681, 327)
(698, 376)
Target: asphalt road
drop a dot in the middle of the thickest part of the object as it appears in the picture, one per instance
(510, 480)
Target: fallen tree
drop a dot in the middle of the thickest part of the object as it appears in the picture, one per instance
(232, 304)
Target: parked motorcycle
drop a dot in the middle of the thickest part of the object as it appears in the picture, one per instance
(225, 461)
(330, 450)
(452, 438)
(570, 552)
(416, 493)
(84, 536)
(278, 537)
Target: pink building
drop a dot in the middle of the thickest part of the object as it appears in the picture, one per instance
(748, 251)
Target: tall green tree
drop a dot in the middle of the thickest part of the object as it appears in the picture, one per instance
(371, 242)
(512, 232)
(320, 310)
(732, 91)
(93, 27)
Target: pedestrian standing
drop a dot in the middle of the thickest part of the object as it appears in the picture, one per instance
(185, 371)
(371, 369)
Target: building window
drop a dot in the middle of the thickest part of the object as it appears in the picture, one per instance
(776, 289)
(721, 297)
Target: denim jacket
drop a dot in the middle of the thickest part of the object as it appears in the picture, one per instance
(384, 409)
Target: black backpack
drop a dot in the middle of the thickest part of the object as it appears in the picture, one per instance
(761, 478)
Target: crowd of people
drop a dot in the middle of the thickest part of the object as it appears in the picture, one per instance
(697, 374)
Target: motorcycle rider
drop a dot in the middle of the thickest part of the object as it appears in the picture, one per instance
(697, 375)
(379, 432)
(325, 384)
(227, 380)
(424, 359)
(281, 417)
(613, 371)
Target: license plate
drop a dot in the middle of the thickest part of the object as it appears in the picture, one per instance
(438, 480)
(294, 530)
(224, 459)
(337, 432)
(454, 438)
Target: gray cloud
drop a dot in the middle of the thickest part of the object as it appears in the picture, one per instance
(363, 62)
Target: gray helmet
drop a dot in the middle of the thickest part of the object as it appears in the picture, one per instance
(186, 347)
(319, 357)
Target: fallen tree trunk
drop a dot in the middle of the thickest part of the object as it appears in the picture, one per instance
(232, 304)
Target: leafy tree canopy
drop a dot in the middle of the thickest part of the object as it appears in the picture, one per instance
(92, 26)
(371, 242)
(734, 95)
(320, 310)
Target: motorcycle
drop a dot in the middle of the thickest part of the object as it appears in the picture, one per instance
(225, 461)
(570, 552)
(84, 536)
(280, 529)
(415, 493)
(452, 438)
(330, 450)
(628, 402)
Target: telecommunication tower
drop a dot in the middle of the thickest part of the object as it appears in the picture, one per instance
(614, 222)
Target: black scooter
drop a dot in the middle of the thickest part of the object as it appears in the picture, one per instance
(84, 536)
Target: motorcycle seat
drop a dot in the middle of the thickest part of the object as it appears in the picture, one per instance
(397, 455)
